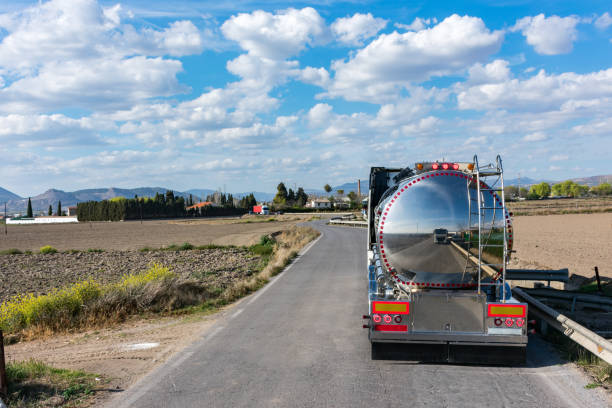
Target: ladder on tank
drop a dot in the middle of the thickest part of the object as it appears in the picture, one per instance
(496, 209)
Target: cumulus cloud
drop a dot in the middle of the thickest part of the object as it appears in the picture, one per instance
(418, 24)
(542, 92)
(604, 21)
(549, 35)
(496, 71)
(78, 54)
(276, 36)
(376, 72)
(357, 28)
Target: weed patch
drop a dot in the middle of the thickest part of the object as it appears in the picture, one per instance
(11, 251)
(48, 249)
(34, 383)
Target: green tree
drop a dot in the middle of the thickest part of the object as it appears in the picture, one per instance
(603, 189)
(511, 192)
(300, 197)
(30, 214)
(523, 192)
(541, 190)
(290, 197)
(59, 208)
(327, 188)
(281, 194)
(340, 192)
(50, 212)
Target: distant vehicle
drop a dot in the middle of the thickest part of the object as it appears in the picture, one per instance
(440, 235)
(261, 209)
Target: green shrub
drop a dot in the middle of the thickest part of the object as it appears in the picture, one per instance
(11, 251)
(48, 249)
(98, 250)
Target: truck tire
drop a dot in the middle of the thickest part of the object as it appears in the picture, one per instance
(376, 350)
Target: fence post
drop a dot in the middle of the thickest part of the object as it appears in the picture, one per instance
(598, 280)
(3, 380)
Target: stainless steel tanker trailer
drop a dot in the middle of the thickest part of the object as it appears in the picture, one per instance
(439, 240)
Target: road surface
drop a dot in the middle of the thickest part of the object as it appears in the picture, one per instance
(298, 342)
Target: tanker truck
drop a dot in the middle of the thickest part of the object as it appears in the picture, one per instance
(435, 290)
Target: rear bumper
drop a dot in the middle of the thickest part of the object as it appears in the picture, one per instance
(449, 338)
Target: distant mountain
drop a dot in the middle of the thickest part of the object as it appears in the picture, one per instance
(348, 187)
(6, 195)
(594, 180)
(199, 192)
(523, 182)
(51, 197)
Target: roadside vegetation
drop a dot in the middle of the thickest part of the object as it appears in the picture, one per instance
(90, 303)
(32, 384)
(599, 371)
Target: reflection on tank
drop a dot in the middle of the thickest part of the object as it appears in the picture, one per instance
(440, 236)
(412, 248)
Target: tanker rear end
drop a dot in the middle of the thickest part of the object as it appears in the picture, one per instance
(439, 239)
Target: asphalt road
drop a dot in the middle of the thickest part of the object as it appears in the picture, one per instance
(298, 342)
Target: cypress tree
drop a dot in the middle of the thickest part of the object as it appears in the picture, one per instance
(50, 210)
(59, 208)
(29, 214)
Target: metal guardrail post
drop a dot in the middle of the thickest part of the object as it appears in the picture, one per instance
(591, 341)
(3, 380)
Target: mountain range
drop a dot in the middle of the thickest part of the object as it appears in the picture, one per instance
(41, 202)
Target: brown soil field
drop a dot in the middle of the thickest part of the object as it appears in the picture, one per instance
(561, 206)
(39, 273)
(131, 235)
(574, 241)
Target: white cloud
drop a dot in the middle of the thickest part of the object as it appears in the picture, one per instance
(74, 53)
(391, 61)
(276, 36)
(558, 157)
(496, 71)
(535, 137)
(549, 35)
(315, 76)
(357, 28)
(604, 21)
(319, 115)
(418, 24)
(541, 92)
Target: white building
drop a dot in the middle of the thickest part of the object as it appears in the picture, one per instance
(319, 203)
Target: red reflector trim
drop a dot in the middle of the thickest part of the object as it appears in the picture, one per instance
(391, 307)
(391, 327)
(505, 310)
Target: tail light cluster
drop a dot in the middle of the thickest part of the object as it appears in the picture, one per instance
(445, 166)
(387, 318)
(509, 321)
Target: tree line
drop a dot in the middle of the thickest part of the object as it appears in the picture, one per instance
(566, 188)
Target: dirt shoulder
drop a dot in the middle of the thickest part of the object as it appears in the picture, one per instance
(119, 355)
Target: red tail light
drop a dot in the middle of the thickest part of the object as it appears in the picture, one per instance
(520, 322)
(398, 319)
(387, 318)
(498, 321)
(455, 166)
(509, 322)
(435, 166)
(376, 318)
(445, 166)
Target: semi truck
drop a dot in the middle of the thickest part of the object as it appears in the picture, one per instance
(450, 298)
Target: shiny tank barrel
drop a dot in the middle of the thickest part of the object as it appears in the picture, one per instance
(426, 225)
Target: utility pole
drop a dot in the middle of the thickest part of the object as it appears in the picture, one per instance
(5, 230)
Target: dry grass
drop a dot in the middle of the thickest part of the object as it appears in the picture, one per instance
(90, 304)
(288, 244)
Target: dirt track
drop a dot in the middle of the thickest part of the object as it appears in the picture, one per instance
(151, 233)
(575, 241)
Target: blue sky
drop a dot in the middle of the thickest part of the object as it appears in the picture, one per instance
(244, 94)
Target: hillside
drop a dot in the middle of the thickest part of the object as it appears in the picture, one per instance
(6, 195)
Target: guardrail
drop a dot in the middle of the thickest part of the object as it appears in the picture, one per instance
(559, 275)
(591, 341)
(359, 224)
